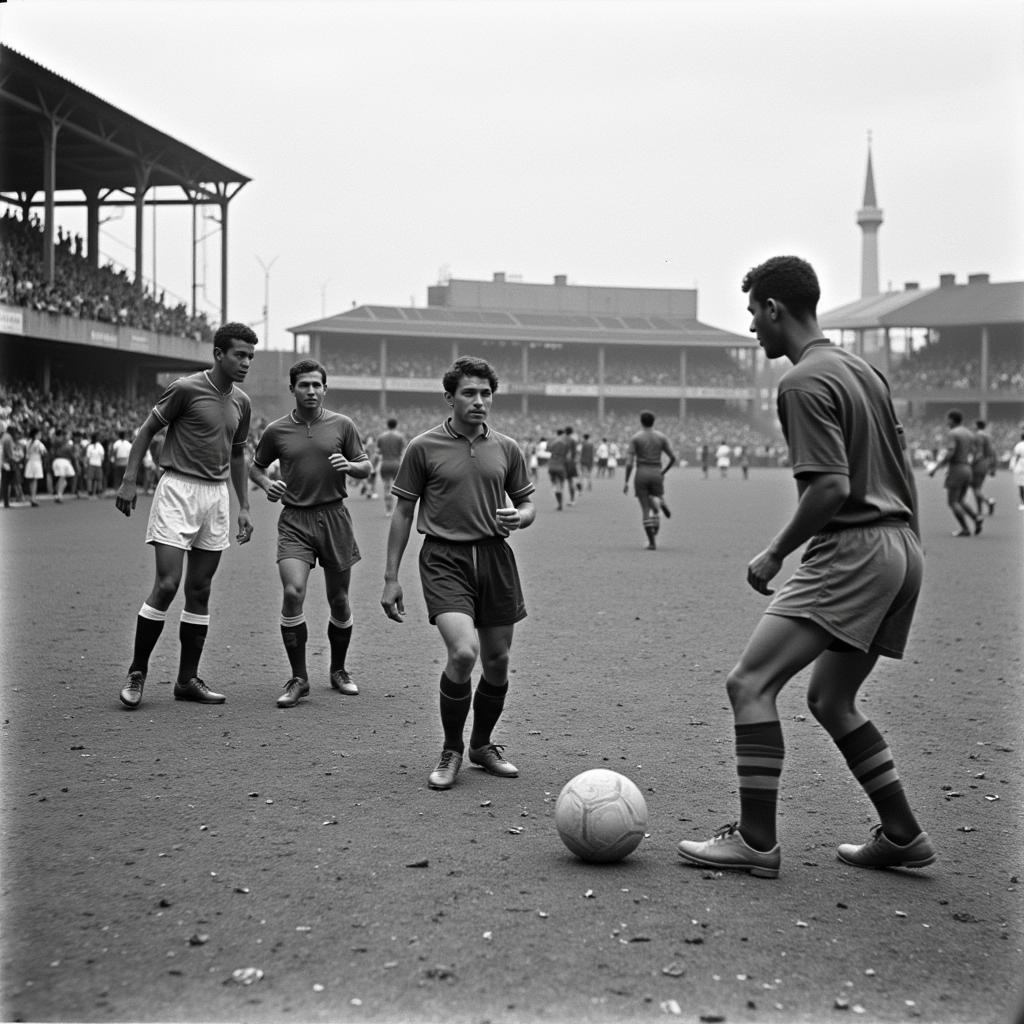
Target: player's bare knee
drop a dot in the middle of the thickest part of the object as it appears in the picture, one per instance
(294, 596)
(463, 657)
(495, 667)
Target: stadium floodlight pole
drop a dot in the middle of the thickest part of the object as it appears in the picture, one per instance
(266, 298)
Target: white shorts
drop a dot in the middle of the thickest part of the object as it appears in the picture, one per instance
(189, 513)
(33, 470)
(63, 467)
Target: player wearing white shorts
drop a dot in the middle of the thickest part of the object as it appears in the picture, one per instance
(851, 600)
(317, 450)
(207, 421)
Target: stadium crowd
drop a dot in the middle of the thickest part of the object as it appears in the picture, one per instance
(79, 289)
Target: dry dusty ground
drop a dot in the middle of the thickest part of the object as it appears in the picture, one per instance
(148, 855)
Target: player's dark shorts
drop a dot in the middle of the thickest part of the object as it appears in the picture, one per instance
(979, 470)
(557, 476)
(477, 579)
(958, 477)
(649, 482)
(322, 533)
(388, 470)
(860, 584)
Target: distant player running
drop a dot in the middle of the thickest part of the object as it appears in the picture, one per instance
(646, 448)
(316, 450)
(851, 600)
(207, 419)
(390, 446)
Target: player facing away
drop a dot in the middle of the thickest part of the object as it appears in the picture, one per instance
(644, 453)
(317, 450)
(206, 416)
(473, 489)
(957, 457)
(390, 446)
(853, 596)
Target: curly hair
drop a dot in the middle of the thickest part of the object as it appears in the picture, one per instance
(231, 332)
(787, 279)
(306, 366)
(468, 366)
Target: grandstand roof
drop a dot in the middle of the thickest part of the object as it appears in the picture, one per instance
(99, 146)
(516, 325)
(975, 304)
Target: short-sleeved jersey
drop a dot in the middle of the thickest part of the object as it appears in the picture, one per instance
(556, 452)
(960, 445)
(390, 446)
(984, 451)
(837, 416)
(646, 447)
(205, 426)
(303, 450)
(460, 482)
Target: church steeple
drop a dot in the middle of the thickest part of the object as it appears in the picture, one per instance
(869, 217)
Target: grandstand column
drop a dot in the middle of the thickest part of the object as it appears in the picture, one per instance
(886, 353)
(141, 186)
(525, 363)
(682, 383)
(223, 203)
(983, 383)
(600, 383)
(49, 130)
(383, 375)
(92, 226)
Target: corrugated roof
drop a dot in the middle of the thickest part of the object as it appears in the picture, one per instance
(867, 313)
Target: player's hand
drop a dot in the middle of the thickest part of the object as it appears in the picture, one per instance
(762, 569)
(245, 527)
(126, 497)
(625, 488)
(338, 462)
(392, 601)
(277, 490)
(508, 519)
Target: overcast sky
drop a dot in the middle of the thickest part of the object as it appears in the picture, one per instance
(644, 144)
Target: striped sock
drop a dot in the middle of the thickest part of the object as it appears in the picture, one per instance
(870, 760)
(455, 704)
(760, 751)
(294, 634)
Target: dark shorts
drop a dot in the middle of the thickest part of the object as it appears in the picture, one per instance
(859, 584)
(388, 470)
(649, 482)
(557, 476)
(958, 477)
(978, 473)
(480, 580)
(322, 533)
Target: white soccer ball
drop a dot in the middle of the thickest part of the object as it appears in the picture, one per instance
(601, 815)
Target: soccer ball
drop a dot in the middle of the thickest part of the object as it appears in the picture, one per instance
(601, 815)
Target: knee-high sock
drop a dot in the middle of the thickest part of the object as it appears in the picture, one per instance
(192, 632)
(294, 634)
(455, 704)
(488, 704)
(870, 759)
(148, 627)
(340, 636)
(760, 751)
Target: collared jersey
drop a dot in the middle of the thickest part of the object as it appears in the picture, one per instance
(646, 447)
(460, 482)
(303, 450)
(837, 417)
(205, 426)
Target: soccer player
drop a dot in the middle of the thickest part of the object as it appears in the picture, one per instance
(473, 489)
(390, 446)
(956, 457)
(557, 457)
(644, 453)
(853, 596)
(1017, 468)
(207, 419)
(983, 465)
(317, 449)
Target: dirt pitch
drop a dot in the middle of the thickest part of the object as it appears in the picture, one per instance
(149, 855)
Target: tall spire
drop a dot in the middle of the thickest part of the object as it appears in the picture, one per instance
(869, 217)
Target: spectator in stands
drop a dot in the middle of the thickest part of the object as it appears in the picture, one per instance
(35, 450)
(94, 456)
(119, 457)
(7, 470)
(63, 464)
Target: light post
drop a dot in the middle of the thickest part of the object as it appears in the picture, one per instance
(266, 297)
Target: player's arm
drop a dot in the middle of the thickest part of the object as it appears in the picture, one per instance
(127, 492)
(630, 458)
(672, 460)
(391, 600)
(821, 496)
(275, 489)
(240, 483)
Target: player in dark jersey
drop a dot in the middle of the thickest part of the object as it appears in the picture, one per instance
(473, 489)
(982, 466)
(851, 600)
(316, 450)
(957, 457)
(390, 446)
(207, 420)
(644, 453)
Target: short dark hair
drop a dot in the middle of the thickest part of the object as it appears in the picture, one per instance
(787, 279)
(979, 424)
(234, 332)
(306, 366)
(647, 418)
(468, 366)
(956, 416)
(392, 423)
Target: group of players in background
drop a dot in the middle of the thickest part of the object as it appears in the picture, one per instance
(466, 488)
